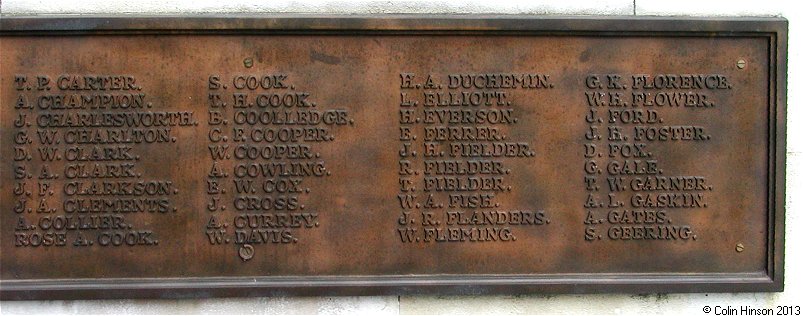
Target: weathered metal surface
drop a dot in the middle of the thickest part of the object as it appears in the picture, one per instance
(175, 157)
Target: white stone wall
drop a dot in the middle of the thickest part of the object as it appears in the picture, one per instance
(683, 304)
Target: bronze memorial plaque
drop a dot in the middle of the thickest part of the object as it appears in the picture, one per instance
(312, 155)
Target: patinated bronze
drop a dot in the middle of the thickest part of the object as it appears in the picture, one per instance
(245, 156)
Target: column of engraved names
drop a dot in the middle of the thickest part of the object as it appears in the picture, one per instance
(455, 157)
(264, 143)
(80, 142)
(631, 194)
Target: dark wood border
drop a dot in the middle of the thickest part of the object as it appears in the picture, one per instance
(774, 29)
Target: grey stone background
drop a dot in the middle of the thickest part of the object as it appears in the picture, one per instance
(683, 304)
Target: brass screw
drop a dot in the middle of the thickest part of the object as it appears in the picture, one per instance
(741, 63)
(248, 62)
(739, 247)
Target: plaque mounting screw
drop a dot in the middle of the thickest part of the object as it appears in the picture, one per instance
(741, 63)
(739, 247)
(248, 62)
(246, 252)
